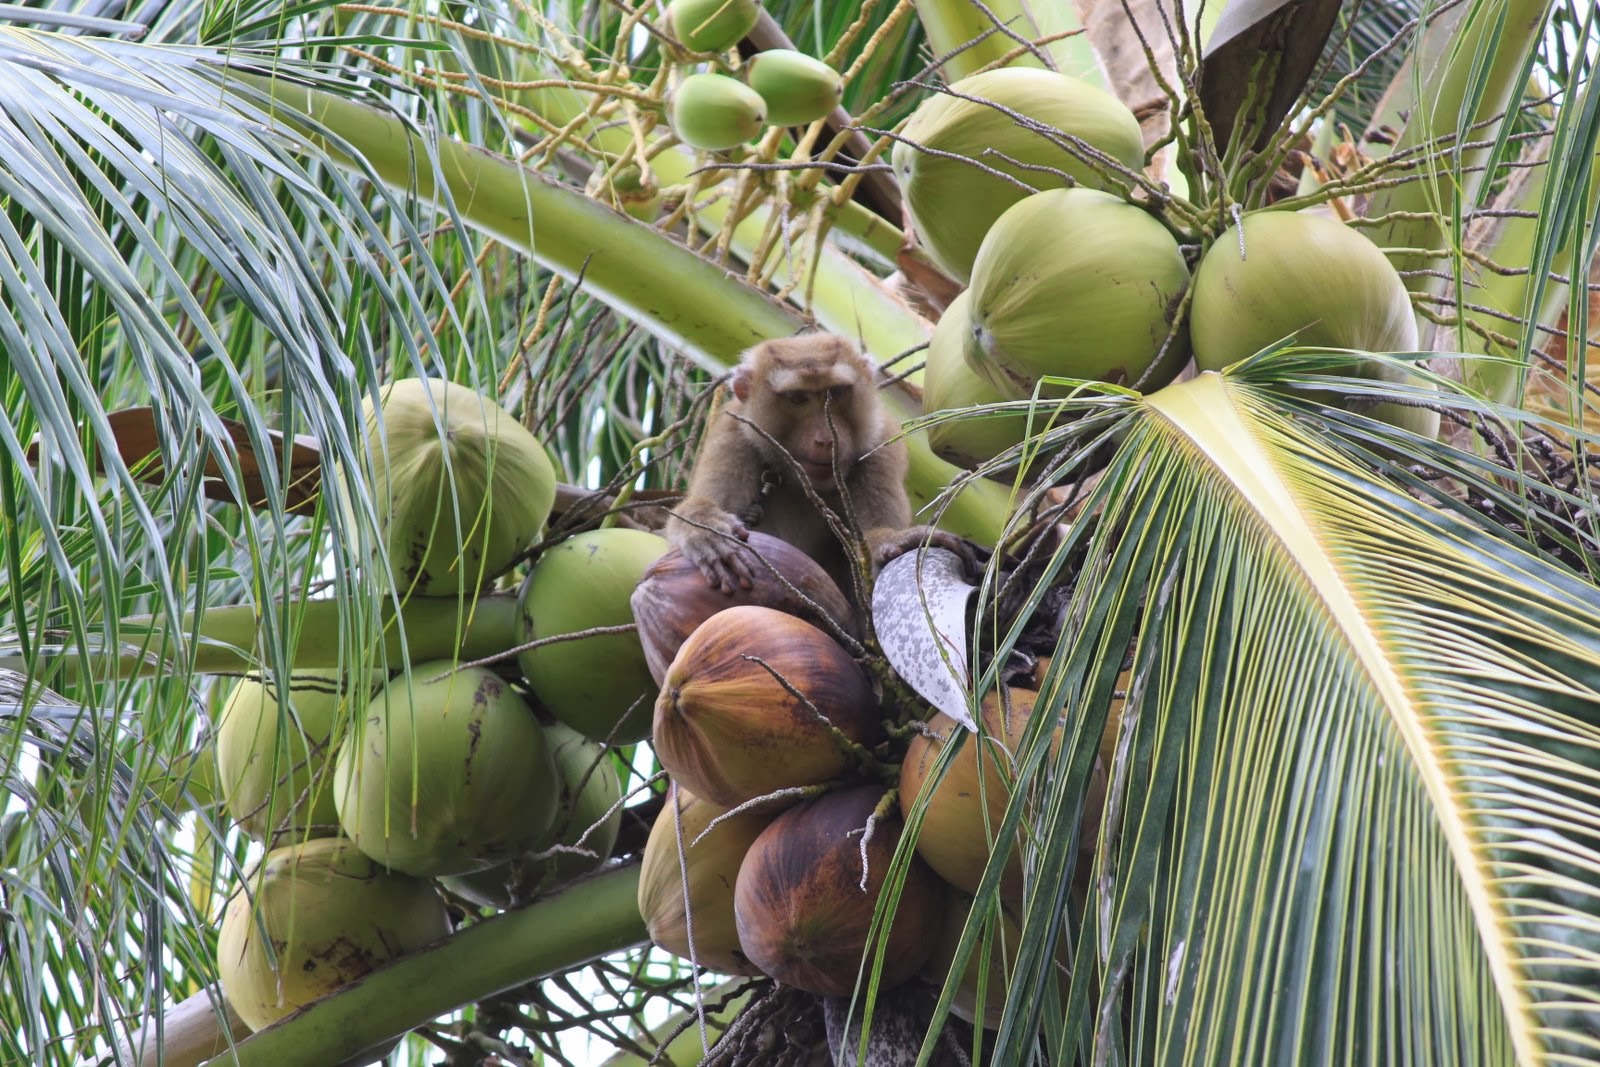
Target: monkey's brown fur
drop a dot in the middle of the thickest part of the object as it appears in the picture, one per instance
(792, 401)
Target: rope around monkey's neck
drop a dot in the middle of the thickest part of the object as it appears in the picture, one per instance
(771, 478)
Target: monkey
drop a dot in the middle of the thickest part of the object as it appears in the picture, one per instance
(803, 414)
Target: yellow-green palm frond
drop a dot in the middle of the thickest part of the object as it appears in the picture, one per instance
(1354, 812)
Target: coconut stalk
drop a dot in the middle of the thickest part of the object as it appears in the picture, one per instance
(577, 236)
(683, 1046)
(588, 919)
(1470, 65)
(950, 24)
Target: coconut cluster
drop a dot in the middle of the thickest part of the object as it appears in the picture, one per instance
(776, 841)
(370, 793)
(1021, 185)
(715, 111)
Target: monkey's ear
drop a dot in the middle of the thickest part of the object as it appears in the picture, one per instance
(741, 380)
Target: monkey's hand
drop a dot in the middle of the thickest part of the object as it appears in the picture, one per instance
(714, 542)
(887, 543)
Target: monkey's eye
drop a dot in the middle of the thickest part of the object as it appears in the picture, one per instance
(838, 392)
(795, 398)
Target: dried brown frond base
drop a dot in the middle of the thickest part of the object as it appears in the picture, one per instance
(784, 1027)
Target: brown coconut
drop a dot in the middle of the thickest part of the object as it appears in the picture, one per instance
(712, 865)
(803, 914)
(964, 811)
(674, 598)
(729, 730)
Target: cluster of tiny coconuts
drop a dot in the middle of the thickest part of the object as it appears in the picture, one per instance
(1080, 280)
(370, 792)
(780, 87)
(761, 861)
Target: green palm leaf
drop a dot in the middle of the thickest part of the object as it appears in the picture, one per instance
(1353, 812)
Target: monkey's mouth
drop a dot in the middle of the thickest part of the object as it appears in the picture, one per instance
(821, 472)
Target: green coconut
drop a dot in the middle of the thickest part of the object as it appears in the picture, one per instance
(331, 915)
(459, 485)
(588, 818)
(273, 761)
(953, 203)
(449, 772)
(712, 25)
(600, 685)
(1078, 284)
(949, 383)
(629, 189)
(798, 89)
(714, 112)
(1310, 278)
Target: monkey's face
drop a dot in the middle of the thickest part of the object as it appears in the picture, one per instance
(821, 434)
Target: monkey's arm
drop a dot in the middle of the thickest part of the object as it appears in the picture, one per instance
(883, 511)
(705, 525)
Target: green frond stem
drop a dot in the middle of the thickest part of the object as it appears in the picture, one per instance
(588, 919)
(227, 640)
(1006, 34)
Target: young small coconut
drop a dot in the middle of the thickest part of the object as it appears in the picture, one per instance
(449, 772)
(948, 383)
(599, 685)
(713, 112)
(712, 25)
(331, 914)
(1078, 284)
(459, 485)
(274, 766)
(802, 912)
(953, 202)
(797, 88)
(742, 706)
(588, 813)
(712, 865)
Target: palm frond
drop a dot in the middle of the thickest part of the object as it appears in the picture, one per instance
(1354, 811)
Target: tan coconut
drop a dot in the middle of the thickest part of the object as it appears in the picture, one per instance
(953, 203)
(330, 914)
(449, 772)
(673, 598)
(961, 816)
(1077, 284)
(712, 866)
(742, 708)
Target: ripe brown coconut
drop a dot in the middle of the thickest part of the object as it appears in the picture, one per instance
(803, 914)
(673, 598)
(964, 811)
(741, 709)
(712, 864)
